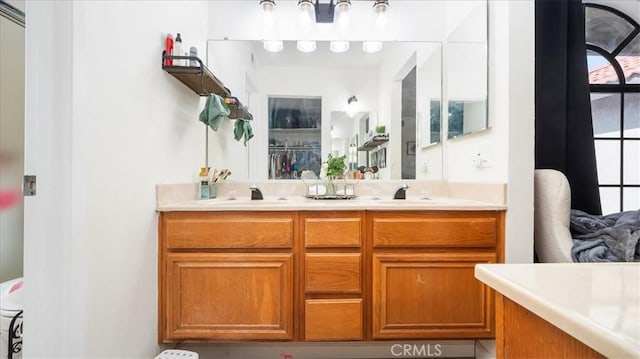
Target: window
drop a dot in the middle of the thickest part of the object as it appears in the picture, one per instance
(613, 57)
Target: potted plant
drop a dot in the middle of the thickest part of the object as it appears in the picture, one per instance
(336, 166)
(381, 130)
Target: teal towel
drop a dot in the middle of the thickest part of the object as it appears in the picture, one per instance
(243, 129)
(215, 111)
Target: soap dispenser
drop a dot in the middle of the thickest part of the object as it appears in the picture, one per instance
(204, 183)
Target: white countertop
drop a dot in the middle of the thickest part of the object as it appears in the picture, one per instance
(300, 203)
(596, 303)
(442, 196)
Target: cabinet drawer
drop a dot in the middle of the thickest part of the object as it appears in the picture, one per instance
(332, 273)
(333, 319)
(435, 230)
(328, 231)
(227, 230)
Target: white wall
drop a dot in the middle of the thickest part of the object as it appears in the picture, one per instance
(231, 61)
(104, 125)
(513, 105)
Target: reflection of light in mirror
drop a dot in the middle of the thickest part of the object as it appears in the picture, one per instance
(352, 106)
(339, 46)
(371, 46)
(306, 45)
(273, 45)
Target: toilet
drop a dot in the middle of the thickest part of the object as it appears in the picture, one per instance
(11, 304)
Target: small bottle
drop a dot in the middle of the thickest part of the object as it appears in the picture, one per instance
(168, 51)
(204, 183)
(177, 50)
(193, 52)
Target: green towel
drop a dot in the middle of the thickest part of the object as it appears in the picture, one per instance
(215, 111)
(243, 129)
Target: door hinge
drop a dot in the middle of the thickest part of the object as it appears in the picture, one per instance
(29, 185)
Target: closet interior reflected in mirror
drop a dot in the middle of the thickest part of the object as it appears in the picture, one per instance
(295, 125)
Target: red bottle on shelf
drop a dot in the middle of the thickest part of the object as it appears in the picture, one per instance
(168, 50)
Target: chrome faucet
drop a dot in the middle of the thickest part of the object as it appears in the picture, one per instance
(255, 193)
(401, 193)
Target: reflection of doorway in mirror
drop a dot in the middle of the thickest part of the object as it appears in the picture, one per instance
(434, 121)
(408, 114)
(382, 158)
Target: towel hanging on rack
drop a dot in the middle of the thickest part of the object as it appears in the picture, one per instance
(215, 111)
(242, 129)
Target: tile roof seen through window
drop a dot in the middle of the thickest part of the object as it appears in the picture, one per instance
(606, 74)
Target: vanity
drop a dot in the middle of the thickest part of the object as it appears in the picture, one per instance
(568, 310)
(309, 270)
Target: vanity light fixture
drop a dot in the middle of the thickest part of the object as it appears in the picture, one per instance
(371, 46)
(352, 103)
(273, 45)
(380, 9)
(268, 8)
(306, 45)
(339, 46)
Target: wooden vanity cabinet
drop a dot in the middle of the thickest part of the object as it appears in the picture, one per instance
(326, 275)
(226, 275)
(423, 282)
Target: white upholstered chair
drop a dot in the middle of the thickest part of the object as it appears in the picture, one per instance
(552, 207)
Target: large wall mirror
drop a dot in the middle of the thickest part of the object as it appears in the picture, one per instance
(466, 88)
(383, 109)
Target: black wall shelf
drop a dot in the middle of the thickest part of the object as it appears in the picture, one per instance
(199, 79)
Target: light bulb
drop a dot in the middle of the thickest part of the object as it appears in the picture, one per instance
(306, 46)
(380, 10)
(371, 46)
(341, 13)
(307, 13)
(268, 8)
(273, 45)
(339, 46)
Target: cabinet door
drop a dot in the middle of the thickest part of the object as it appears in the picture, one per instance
(229, 296)
(430, 295)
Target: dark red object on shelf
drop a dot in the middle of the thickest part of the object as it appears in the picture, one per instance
(168, 49)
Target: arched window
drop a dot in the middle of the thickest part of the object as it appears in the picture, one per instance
(613, 57)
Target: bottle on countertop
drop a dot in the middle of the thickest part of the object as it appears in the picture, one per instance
(204, 183)
(177, 51)
(168, 51)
